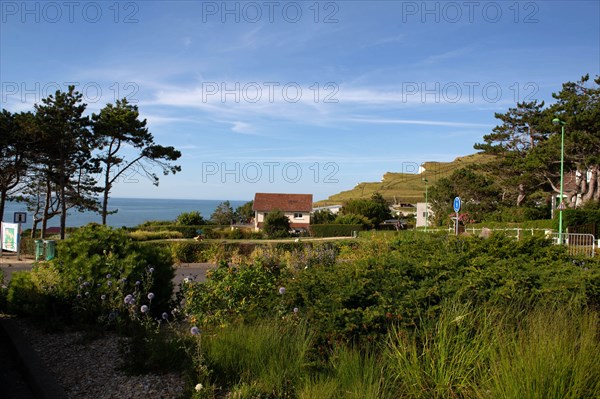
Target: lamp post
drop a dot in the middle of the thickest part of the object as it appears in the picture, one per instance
(557, 121)
(426, 205)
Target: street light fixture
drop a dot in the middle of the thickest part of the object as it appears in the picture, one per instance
(557, 121)
(426, 205)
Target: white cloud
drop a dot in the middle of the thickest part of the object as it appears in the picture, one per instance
(417, 122)
(243, 127)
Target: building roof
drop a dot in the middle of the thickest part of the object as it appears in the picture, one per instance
(267, 202)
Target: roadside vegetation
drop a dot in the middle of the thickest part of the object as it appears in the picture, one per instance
(401, 315)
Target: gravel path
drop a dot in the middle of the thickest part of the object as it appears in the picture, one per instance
(90, 369)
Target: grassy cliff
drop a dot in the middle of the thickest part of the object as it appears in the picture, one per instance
(405, 187)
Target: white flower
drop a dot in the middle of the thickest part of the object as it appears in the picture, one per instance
(195, 330)
(198, 387)
(151, 270)
(128, 299)
(144, 308)
(151, 296)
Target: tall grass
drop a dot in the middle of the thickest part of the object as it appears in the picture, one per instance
(351, 374)
(546, 353)
(265, 357)
(441, 358)
(550, 352)
(554, 354)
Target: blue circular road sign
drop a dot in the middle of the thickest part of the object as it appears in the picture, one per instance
(457, 204)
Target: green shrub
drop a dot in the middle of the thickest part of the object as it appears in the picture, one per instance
(94, 255)
(38, 293)
(276, 225)
(186, 251)
(518, 214)
(22, 296)
(193, 218)
(231, 293)
(400, 279)
(529, 224)
(354, 219)
(311, 256)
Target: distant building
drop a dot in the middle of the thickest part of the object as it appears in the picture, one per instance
(420, 219)
(335, 209)
(297, 208)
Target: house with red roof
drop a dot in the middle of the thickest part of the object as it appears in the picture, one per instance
(297, 207)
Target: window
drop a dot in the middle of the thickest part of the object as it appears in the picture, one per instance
(297, 216)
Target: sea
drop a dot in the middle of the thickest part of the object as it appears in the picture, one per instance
(130, 211)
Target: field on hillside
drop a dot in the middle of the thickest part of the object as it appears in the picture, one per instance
(405, 187)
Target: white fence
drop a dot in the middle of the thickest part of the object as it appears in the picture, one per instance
(577, 244)
(512, 232)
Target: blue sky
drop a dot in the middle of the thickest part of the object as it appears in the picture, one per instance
(298, 96)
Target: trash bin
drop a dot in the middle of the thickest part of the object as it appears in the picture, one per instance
(50, 249)
(39, 249)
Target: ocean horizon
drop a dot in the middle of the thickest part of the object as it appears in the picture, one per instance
(130, 211)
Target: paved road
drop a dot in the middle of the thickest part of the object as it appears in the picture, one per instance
(183, 270)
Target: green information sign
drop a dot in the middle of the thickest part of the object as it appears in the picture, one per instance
(10, 237)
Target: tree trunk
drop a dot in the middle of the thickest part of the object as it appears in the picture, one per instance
(2, 202)
(521, 196)
(47, 200)
(34, 225)
(596, 196)
(63, 195)
(591, 187)
(63, 209)
(107, 186)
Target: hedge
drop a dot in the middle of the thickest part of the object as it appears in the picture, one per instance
(578, 217)
(334, 230)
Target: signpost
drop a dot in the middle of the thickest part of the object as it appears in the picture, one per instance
(457, 203)
(20, 217)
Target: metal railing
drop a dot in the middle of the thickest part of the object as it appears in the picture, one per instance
(516, 232)
(577, 244)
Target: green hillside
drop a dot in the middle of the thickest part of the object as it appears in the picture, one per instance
(405, 187)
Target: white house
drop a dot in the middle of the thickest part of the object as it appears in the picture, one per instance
(335, 209)
(296, 207)
(420, 219)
